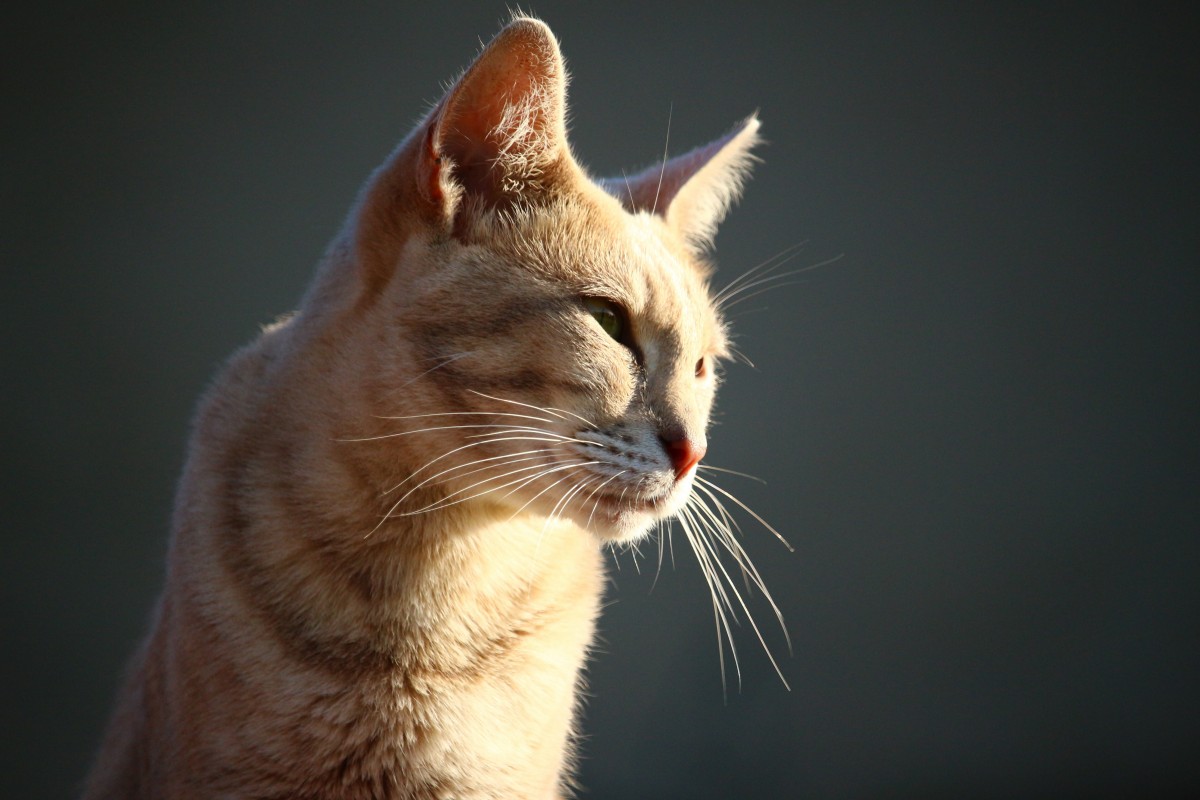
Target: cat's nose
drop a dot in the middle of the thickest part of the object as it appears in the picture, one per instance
(684, 453)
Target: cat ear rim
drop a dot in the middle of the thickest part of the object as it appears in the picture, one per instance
(418, 180)
(529, 135)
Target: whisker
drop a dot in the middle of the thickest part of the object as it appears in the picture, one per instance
(555, 412)
(597, 503)
(711, 468)
(749, 511)
(721, 531)
(563, 503)
(479, 443)
(769, 282)
(452, 428)
(501, 430)
(448, 361)
(474, 471)
(470, 414)
(662, 172)
(717, 594)
(766, 288)
(551, 486)
(745, 609)
(628, 188)
(440, 504)
(467, 464)
(740, 356)
(584, 420)
(767, 264)
(658, 534)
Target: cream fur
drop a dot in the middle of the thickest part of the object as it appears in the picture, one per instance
(347, 613)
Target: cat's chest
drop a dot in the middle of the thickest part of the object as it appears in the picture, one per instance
(410, 736)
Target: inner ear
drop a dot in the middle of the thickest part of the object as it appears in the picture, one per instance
(500, 132)
(496, 139)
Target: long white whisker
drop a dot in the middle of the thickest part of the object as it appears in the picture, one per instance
(717, 593)
(721, 531)
(470, 414)
(446, 362)
(502, 430)
(560, 508)
(472, 463)
(510, 460)
(749, 511)
(443, 504)
(439, 503)
(745, 609)
(663, 171)
(711, 468)
(768, 264)
(597, 503)
(551, 486)
(628, 188)
(774, 281)
(479, 443)
(584, 420)
(738, 354)
(514, 402)
(450, 428)
(658, 532)
(563, 501)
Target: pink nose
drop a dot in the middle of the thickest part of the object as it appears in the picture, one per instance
(684, 454)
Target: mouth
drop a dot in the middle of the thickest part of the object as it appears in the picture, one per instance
(615, 504)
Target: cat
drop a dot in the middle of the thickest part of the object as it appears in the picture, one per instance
(384, 571)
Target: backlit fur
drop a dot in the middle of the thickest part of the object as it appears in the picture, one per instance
(384, 570)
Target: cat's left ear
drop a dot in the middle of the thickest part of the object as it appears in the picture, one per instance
(694, 191)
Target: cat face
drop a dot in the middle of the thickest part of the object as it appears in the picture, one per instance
(595, 365)
(550, 344)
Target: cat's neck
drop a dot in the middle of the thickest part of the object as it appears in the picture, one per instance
(285, 596)
(418, 586)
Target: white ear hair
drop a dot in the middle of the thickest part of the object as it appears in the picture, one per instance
(693, 192)
(497, 138)
(503, 123)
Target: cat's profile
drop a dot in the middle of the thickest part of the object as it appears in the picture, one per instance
(384, 570)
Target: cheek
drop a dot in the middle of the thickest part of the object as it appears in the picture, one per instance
(608, 380)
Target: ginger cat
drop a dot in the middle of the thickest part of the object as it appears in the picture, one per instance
(385, 564)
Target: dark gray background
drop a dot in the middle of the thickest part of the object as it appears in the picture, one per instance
(978, 427)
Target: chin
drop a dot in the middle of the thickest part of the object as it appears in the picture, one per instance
(614, 523)
(622, 528)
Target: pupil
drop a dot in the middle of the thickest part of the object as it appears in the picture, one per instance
(609, 322)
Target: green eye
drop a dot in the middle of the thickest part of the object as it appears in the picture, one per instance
(608, 314)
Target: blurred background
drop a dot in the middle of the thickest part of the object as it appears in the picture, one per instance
(978, 426)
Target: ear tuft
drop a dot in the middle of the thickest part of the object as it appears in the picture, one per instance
(693, 192)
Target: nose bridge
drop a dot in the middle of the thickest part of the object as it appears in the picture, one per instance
(673, 397)
(681, 421)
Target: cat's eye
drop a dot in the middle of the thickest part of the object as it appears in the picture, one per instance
(609, 315)
(702, 367)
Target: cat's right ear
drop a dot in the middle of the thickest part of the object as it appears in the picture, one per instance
(497, 138)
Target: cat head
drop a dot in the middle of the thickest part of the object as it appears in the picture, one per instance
(527, 337)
